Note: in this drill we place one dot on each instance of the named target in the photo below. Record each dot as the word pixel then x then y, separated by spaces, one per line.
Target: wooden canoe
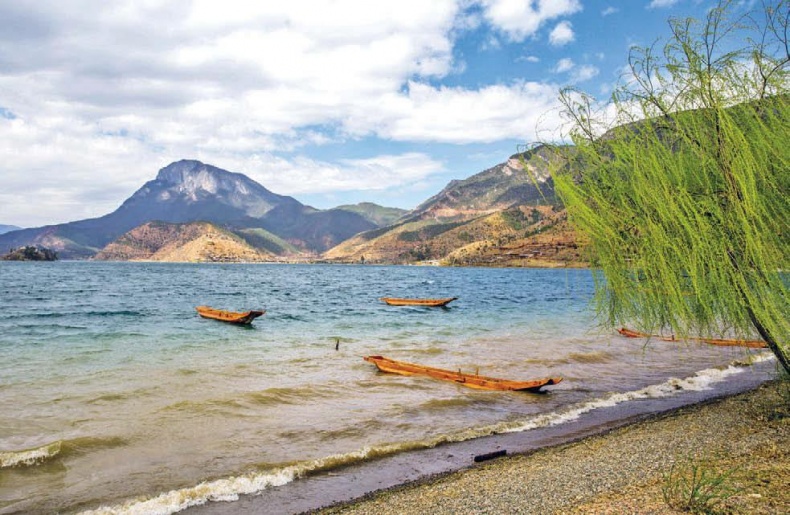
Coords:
pixel 754 344
pixel 392 301
pixel 470 380
pixel 232 317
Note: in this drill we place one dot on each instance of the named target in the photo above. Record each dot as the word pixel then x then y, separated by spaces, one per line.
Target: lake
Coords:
pixel 114 393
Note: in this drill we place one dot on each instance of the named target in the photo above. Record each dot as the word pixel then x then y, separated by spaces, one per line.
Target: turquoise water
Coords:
pixel 113 392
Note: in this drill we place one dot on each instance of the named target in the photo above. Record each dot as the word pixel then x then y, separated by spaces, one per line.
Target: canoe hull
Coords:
pixel 753 344
pixel 393 301
pixel 470 380
pixel 231 317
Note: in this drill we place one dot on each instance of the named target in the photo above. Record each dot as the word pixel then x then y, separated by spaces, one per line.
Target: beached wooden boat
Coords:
pixel 243 318
pixel 754 344
pixel 393 301
pixel 470 380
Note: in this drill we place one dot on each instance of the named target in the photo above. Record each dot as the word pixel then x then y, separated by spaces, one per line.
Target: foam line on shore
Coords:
pixel 702 380
pixel 229 489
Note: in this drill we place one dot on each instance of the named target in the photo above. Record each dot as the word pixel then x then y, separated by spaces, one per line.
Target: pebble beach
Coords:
pixel 622 471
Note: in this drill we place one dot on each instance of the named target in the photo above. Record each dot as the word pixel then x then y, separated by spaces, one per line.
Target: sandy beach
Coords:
pixel 624 470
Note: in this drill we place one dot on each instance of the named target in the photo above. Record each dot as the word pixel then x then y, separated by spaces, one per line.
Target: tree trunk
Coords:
pixel 769 339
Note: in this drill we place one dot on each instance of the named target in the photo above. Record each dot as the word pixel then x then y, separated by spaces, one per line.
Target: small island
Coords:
pixel 30 253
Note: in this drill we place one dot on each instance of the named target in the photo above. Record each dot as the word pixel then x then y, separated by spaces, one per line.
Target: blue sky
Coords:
pixel 331 102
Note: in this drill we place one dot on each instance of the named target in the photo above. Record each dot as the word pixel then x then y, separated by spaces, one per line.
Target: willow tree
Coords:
pixel 686 201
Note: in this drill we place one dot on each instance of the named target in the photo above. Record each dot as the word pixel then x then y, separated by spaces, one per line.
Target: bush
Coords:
pixel 693 486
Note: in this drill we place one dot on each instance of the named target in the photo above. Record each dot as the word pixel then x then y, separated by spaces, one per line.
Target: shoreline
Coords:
pixel 619 470
pixel 359 488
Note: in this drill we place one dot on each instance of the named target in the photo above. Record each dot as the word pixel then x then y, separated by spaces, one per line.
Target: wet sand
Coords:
pixel 621 470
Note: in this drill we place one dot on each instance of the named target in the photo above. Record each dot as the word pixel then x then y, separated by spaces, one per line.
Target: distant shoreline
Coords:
pixel 544 266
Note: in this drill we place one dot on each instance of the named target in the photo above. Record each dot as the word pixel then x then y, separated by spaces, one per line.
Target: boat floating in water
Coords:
pixel 393 301
pixel 754 344
pixel 470 380
pixel 232 317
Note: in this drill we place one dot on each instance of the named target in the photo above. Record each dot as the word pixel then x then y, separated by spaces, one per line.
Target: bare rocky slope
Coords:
pixel 507 215
pixel 188 242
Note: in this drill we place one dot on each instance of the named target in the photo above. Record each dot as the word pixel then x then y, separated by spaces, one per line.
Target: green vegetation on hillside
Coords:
pixel 688 212
pixel 379 215
pixel 263 239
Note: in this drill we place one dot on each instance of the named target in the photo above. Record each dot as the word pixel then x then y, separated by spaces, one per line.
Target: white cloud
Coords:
pixel 609 11
pixel 103 99
pixel 576 73
pixel 584 73
pixel 304 176
pixel 520 19
pixel 564 65
pixel 562 34
pixel 660 4
pixel 457 115
pixel 491 43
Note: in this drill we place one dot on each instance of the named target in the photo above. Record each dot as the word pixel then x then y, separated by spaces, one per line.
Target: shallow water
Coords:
pixel 113 392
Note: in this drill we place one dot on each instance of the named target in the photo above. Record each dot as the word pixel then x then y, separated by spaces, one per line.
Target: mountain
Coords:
pixel 379 215
pixel 190 190
pixel 187 191
pixel 313 230
pixel 523 179
pixel 507 214
pixel 197 212
pixel 8 228
pixel 186 242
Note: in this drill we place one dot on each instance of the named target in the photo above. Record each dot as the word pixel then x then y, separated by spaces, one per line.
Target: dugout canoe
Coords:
pixel 394 301
pixel 753 344
pixel 470 380
pixel 232 317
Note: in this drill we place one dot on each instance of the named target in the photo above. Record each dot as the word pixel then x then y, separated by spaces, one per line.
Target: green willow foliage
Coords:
pixel 686 202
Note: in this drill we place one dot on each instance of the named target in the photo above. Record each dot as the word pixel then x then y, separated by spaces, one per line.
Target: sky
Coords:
pixel 329 101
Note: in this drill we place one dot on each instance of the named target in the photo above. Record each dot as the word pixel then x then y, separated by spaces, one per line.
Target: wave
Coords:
pixel 702 380
pixel 229 489
pixel 59 448
pixel 431 351
pixel 226 489
pixel 109 397
pixel 85 444
pixel 28 457
pixel 99 313
pixel 590 358
pixel 275 395
pixel 268 397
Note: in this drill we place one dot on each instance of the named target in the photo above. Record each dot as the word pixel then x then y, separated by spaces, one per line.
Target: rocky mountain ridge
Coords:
pixel 188 191
pixel 193 211
pixel 522 179
pixel 507 215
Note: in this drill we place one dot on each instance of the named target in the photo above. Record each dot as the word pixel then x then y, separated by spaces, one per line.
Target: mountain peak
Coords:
pixel 193 180
pixel 174 172
pixel 194 175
